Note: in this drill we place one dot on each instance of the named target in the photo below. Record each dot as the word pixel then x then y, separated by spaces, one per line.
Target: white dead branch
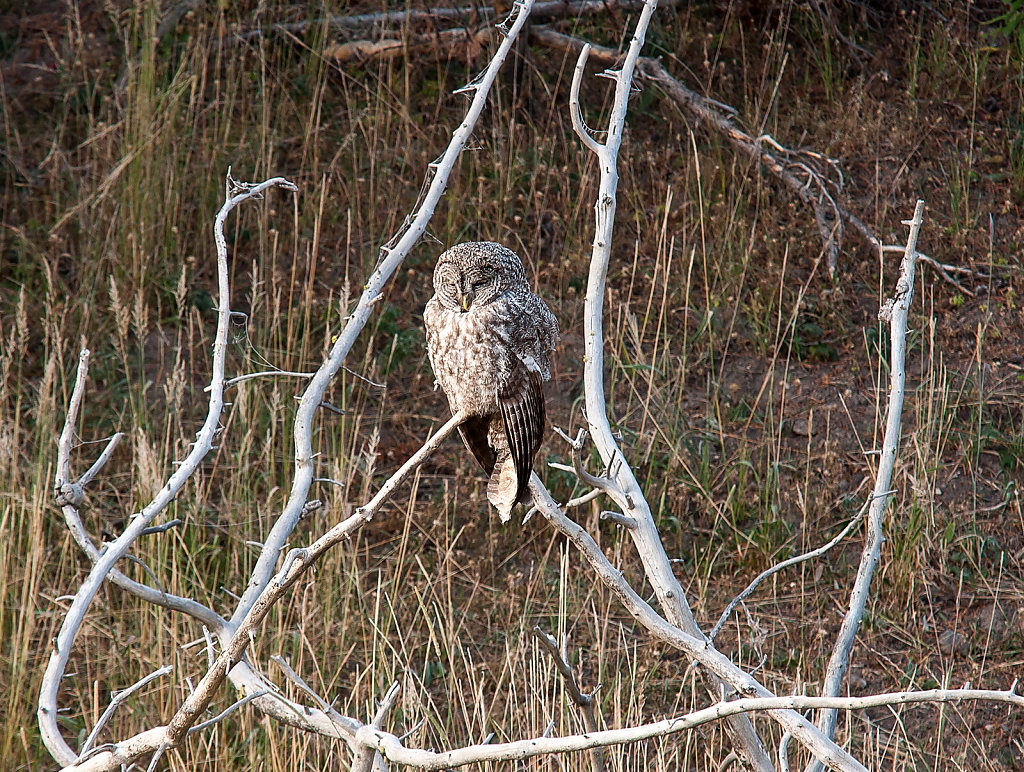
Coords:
pixel 735 692
pixel 894 311
pixel 621 485
pixel 266 584
pixel 114 551
pixel 392 748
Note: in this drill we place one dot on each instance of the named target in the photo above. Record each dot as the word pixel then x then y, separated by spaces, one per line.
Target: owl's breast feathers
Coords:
pixel 478 354
pixel 492 362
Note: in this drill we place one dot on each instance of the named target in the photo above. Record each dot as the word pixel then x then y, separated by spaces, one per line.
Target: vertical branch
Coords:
pixel 626 490
pixel 368 758
pixel 893 311
pixel 54 673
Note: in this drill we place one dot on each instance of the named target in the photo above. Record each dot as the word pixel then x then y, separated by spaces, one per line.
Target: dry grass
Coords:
pixel 746 385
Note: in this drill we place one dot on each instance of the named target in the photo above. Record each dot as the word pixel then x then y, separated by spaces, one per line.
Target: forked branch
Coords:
pixel 623 486
pixel 114 551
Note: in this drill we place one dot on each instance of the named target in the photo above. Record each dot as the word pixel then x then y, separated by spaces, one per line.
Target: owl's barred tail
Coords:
pixel 503 487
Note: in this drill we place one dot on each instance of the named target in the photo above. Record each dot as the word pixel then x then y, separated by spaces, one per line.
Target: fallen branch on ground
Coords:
pixel 548 10
pixel 805 173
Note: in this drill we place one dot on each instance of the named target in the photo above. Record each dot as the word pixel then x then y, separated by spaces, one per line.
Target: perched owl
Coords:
pixel 490 341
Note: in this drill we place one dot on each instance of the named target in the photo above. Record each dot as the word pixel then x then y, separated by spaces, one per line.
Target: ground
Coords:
pixel 748 384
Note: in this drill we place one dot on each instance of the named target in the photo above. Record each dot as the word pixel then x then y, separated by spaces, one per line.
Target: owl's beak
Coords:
pixel 465 299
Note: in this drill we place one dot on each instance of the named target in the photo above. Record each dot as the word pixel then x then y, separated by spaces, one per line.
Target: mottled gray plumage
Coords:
pixel 490 341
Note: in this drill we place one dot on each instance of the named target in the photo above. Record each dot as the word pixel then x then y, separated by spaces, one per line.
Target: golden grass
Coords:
pixel 714 305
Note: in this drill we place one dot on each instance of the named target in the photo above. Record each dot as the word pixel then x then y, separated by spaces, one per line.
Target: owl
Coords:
pixel 490 341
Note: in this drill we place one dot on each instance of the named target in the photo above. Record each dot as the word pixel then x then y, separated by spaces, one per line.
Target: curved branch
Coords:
pixel 781 566
pixel 52 676
pixel 578 124
pixel 629 496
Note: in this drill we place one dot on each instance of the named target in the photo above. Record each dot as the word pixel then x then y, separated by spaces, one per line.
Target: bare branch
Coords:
pixel 54 672
pixel 266 374
pixel 585 702
pixel 115 702
pixel 295 565
pixel 578 124
pixel 893 311
pixel 367 755
pixel 392 748
pixel 226 712
pixel 625 490
pixel 65 491
pixel 781 566
pixel 391 256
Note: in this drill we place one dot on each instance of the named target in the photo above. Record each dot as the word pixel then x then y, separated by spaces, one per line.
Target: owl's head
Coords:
pixel 475 273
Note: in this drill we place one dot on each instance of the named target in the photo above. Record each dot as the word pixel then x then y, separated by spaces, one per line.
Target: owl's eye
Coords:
pixel 480 279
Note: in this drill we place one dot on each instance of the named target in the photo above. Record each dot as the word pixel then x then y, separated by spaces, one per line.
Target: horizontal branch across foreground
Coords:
pixel 391 747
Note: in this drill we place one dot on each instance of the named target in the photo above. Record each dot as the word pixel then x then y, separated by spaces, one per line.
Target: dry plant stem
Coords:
pixel 47 712
pixel 696 646
pixel 893 311
pixel 585 702
pixel 625 490
pixel 295 565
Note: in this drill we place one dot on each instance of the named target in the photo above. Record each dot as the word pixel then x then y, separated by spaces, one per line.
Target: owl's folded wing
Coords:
pixel 521 400
pixel 474 434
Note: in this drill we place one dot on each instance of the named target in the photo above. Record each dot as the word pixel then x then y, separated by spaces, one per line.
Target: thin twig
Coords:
pixel 366 755
pixel 781 566
pixel 115 701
